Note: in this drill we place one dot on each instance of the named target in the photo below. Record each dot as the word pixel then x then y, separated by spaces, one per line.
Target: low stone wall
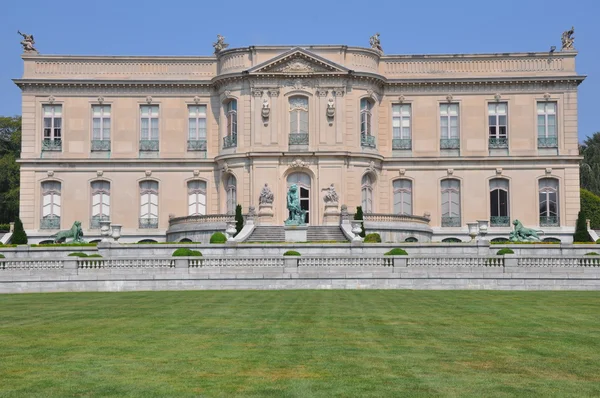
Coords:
pixel 509 272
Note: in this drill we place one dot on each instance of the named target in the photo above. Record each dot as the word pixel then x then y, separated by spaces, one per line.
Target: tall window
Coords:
pixel 100 127
pixel 548 201
pixel 402 197
pixel 401 114
pixel 50 205
pixel 231 192
pixel 197 128
pixel 148 204
pixel 196 198
pixel 546 124
pixel 499 203
pixel 298 120
pixel 100 202
pixel 367 193
pixel 230 140
pixel 498 124
pixel 367 138
pixel 52 128
pixel 450 132
pixel 450 203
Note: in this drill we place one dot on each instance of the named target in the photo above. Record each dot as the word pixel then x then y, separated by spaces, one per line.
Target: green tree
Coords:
pixel 239 219
pixel 589 168
pixel 590 206
pixel 359 216
pixel 581 233
pixel 19 236
pixel 10 147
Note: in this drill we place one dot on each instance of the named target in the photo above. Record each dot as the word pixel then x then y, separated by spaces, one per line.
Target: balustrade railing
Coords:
pixel 443 262
pixel 547 142
pixel 148 223
pixel 380 217
pixel 230 141
pixel 149 145
pixel 498 142
pixel 50 222
pixel 345 261
pixel 549 262
pixel 100 145
pixel 202 219
pixel 95 221
pixel 98 263
pixel 401 143
pixel 298 139
pixel 30 264
pixel 367 140
pixel 450 143
pixel 549 221
pixel 450 221
pixel 500 221
pixel 238 262
pixel 196 145
pixel 52 145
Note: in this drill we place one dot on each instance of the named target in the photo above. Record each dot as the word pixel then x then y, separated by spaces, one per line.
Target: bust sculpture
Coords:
pixel 266 196
pixel 27 42
pixel 331 195
pixel 568 40
pixel 296 214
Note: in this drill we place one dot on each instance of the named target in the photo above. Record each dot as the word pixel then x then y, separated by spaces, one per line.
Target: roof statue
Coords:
pixel 220 44
pixel 266 196
pixel 27 42
pixel 376 42
pixel 568 40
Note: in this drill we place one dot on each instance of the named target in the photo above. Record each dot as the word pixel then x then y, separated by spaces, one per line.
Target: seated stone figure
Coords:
pixel 297 215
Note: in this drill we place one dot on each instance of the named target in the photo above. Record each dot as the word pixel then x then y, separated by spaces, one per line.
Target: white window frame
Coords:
pixel 366 190
pixel 102 192
pixel 231 193
pixel 152 133
pixel 401 192
pixel 231 115
pixel 298 109
pixel 148 191
pixel 104 122
pixel 366 116
pixel 444 110
pixel 546 113
pixel 547 190
pixel 55 201
pixel 55 118
pixel 499 184
pixel 399 119
pixel 494 113
pixel 447 187
pixel 196 206
pixel 197 116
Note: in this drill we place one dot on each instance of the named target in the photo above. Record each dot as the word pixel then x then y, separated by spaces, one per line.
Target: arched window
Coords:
pixel 148 204
pixel 450 203
pixel 298 120
pixel 196 198
pixel 548 201
pixel 367 193
pixel 366 127
pixel 451 240
pixel 100 203
pixel 302 181
pixel 231 191
pixel 499 215
pixel 51 204
pixel 230 139
pixel 402 197
pixel 411 239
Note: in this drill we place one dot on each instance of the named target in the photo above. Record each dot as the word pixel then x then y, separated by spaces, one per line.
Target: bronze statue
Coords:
pixel 296 216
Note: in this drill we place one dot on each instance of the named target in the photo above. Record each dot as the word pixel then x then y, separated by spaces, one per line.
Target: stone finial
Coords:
pixel 27 43
pixel 568 40
pixel 220 44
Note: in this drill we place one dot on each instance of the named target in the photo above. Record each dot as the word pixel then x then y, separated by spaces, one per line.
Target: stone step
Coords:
pixel 267 234
pixel 313 234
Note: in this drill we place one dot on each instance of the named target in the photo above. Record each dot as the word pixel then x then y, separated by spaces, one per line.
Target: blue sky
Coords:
pixel 178 27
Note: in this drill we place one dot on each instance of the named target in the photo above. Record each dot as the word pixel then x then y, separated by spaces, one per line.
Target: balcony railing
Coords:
pixel 95 221
pixel 50 222
pixel 547 142
pixel 450 143
pixel 450 221
pixel 401 143
pixel 549 221
pixel 51 145
pixel 196 145
pixel 367 140
pixel 148 223
pixel 100 145
pixel 148 145
pixel 498 142
pixel 500 221
pixel 298 139
pixel 230 141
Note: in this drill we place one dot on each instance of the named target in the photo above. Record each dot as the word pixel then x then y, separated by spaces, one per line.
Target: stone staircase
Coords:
pixel 330 233
pixel 313 234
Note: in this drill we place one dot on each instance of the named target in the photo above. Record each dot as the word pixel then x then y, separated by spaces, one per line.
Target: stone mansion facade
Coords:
pixel 453 138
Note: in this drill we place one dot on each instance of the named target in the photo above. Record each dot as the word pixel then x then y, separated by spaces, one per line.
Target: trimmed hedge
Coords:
pixel 291 253
pixel 581 233
pixel 592 254
pixel 95 255
pixel 373 238
pixel 504 251
pixel 77 254
pixel 598 242
pixel 64 245
pixel 218 237
pixel 185 252
pixel 4 227
pixel 396 252
pixel 2 256
pixel 19 237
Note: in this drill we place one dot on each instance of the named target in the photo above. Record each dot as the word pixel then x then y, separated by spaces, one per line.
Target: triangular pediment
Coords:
pixel 297 61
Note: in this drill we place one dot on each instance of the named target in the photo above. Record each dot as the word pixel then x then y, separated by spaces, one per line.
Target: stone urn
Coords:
pixel 105 231
pixel 116 232
pixel 483 228
pixel 473 229
pixel 230 231
pixel 356 229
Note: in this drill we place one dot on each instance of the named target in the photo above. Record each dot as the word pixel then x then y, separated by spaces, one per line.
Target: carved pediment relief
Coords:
pixel 298 62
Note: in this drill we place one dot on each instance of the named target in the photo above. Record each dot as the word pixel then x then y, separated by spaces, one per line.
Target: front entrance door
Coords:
pixel 302 180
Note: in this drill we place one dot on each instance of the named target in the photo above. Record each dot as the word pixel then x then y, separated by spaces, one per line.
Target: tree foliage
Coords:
pixel 581 233
pixel 10 148
pixel 19 236
pixel 239 219
pixel 589 169
pixel 590 206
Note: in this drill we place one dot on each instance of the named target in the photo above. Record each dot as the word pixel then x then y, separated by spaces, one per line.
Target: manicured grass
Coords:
pixel 301 344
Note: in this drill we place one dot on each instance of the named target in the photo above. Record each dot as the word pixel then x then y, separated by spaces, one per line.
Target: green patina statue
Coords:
pixel 75 232
pixel 297 215
pixel 522 234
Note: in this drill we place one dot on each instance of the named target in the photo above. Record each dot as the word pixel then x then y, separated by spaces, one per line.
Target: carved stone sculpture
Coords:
pixel 296 214
pixel 522 234
pixel 568 41
pixel 266 196
pixel 376 42
pixel 27 42
pixel 331 195
pixel 330 108
pixel 75 232
pixel 220 44
pixel 266 110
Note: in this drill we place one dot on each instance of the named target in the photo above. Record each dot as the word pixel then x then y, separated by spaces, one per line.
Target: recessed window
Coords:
pixel 298 120
pixel 499 203
pixel 100 203
pixel 197 128
pixel 401 125
pixel 51 205
pixel 450 203
pixel 231 192
pixel 101 127
pixel 367 138
pixel 196 198
pixel 548 202
pixel 230 139
pixel 449 126
pixel 52 140
pixel 402 196
pixel 149 128
pixel 498 124
pixel 367 193
pixel 546 124
pixel 148 204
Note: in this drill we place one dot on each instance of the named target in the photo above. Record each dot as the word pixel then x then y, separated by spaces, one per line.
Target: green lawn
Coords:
pixel 301 344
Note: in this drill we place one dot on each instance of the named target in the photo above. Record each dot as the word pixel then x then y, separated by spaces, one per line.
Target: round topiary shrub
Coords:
pixel 77 254
pixel 396 252
pixel 598 242
pixel 592 254
pixel 95 255
pixel 373 238
pixel 504 251
pixel 218 237
pixel 185 252
pixel 291 253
